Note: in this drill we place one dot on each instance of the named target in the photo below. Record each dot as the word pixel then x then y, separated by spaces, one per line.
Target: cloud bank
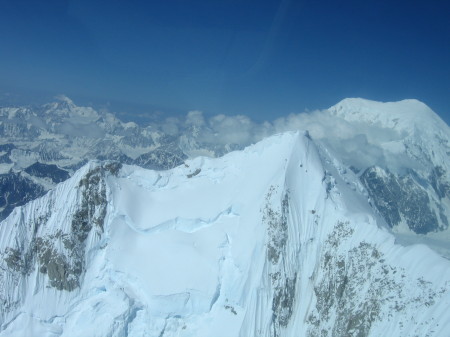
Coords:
pixel 358 145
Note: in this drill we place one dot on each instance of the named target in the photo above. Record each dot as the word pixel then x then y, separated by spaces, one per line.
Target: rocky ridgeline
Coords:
pixel 57 253
pixel 341 279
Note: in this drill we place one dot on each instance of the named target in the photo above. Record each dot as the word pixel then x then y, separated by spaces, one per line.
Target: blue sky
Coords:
pixel 264 59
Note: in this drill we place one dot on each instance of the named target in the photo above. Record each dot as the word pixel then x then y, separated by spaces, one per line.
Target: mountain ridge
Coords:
pixel 412 158
pixel 261 243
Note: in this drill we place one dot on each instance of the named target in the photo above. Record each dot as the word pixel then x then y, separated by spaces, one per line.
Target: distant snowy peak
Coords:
pixel 407 115
pixel 66 135
pixel 415 129
pixel 62 103
pixel 63 109
pixel 406 169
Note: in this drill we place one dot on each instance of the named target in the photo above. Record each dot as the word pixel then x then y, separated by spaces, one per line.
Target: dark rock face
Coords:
pixel 437 179
pixel 283 283
pixel 283 302
pixel 16 190
pixel 344 307
pixel 385 192
pixel 161 159
pixel 276 222
pixel 51 171
pixel 6 148
pixel 61 255
pixel 405 198
pixel 65 270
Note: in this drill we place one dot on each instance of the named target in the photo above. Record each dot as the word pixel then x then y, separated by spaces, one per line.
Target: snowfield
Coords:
pixel 275 240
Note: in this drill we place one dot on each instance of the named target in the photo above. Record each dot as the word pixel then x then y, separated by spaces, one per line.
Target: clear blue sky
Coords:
pixel 260 58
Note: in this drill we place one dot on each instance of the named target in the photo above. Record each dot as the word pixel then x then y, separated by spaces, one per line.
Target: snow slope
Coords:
pixel 268 241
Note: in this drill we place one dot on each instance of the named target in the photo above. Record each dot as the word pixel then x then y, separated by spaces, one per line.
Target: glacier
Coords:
pixel 278 239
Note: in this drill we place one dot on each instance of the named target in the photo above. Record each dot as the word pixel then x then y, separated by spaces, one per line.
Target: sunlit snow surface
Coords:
pixel 270 241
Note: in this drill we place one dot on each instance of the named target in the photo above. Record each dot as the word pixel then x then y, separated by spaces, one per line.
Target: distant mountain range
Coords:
pixel 398 151
pixel 43 146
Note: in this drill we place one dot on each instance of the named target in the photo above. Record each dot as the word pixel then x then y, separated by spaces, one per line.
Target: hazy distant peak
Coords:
pixel 358 102
pixel 65 99
pixel 60 104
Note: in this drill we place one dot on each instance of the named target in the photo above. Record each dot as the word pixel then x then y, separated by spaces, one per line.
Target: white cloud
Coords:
pixel 358 145
pixel 171 126
pixel 195 118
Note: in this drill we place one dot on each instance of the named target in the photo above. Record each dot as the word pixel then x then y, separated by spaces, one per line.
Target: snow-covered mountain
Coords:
pixel 275 240
pixel 40 146
pixel 399 152
pixel 402 156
